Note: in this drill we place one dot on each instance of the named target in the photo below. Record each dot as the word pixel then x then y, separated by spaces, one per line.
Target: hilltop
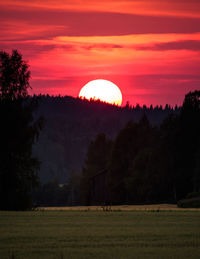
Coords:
pixel 71 123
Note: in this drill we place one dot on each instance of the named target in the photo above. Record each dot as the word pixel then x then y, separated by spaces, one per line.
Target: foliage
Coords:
pixel 150 164
pixel 145 162
pixel 14 76
pixel 133 138
pixel 189 140
pixel 19 132
pixel 193 195
pixel 73 184
pixel 73 122
pixel 189 203
pixel 51 194
pixel 96 161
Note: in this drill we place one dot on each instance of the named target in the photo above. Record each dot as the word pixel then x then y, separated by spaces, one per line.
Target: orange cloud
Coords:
pixel 148 7
pixel 138 44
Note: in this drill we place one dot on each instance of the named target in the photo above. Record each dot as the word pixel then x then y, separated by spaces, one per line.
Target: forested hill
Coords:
pixel 71 123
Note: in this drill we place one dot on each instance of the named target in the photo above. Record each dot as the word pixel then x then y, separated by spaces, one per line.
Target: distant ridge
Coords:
pixel 71 123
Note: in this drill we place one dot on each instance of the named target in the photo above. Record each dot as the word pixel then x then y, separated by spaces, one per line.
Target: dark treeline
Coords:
pixel 144 162
pixel 137 155
pixel 19 131
pixel 71 124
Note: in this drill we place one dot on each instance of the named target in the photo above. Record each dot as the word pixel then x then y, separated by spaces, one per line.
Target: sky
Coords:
pixel 149 48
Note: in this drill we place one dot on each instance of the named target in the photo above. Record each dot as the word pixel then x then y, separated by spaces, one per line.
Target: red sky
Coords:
pixel 149 48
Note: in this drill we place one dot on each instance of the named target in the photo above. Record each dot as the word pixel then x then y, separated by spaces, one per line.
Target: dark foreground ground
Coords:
pixel 100 234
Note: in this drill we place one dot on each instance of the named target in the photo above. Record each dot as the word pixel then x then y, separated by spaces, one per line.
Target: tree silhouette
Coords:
pixel 130 140
pixel 96 161
pixel 188 139
pixel 14 76
pixel 18 133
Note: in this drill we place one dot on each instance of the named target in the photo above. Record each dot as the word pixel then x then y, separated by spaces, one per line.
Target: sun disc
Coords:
pixel 102 90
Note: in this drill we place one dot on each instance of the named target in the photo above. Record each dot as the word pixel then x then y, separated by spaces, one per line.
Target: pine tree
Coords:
pixel 18 132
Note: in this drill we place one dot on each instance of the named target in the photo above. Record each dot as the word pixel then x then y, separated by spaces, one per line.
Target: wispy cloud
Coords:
pixel 176 8
pixel 148 47
pixel 191 45
pixel 51 23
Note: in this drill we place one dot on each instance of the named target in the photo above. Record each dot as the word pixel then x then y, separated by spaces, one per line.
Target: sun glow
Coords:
pixel 103 90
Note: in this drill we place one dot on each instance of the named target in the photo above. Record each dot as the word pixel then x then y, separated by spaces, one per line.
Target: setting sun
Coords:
pixel 103 90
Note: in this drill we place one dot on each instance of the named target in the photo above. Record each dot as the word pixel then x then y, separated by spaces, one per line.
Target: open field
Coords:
pixel 151 207
pixel 100 234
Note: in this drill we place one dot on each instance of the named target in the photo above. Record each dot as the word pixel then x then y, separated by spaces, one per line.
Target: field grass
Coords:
pixel 100 234
pixel 151 207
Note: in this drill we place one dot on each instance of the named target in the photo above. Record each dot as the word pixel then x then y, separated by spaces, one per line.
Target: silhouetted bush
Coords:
pixel 189 203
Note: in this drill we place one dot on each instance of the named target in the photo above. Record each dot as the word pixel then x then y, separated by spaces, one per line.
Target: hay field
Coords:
pixel 100 234
pixel 151 207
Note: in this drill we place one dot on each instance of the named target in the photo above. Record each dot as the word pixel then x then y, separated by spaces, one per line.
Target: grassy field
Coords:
pixel 150 207
pixel 99 234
